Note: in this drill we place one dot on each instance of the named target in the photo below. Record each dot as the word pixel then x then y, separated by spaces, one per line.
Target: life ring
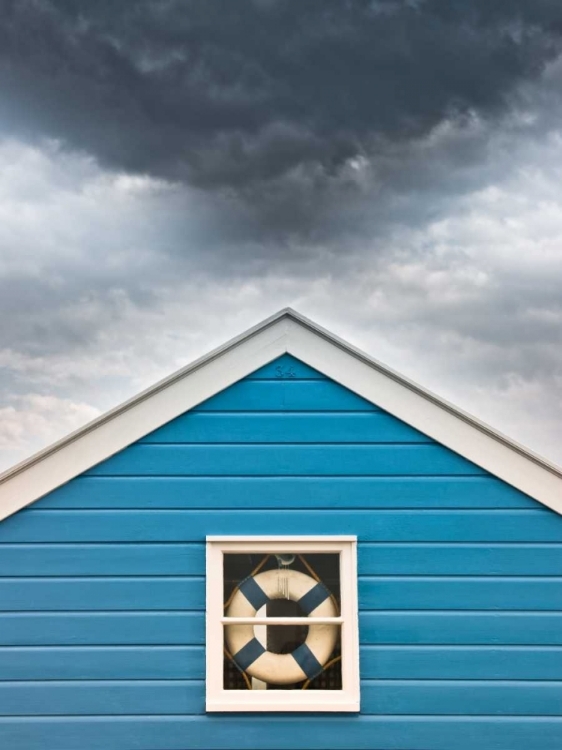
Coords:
pixel 306 661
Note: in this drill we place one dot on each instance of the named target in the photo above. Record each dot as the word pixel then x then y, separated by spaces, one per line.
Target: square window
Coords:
pixel 282 632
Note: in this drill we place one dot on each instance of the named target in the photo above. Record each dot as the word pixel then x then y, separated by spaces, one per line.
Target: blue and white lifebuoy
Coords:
pixel 306 661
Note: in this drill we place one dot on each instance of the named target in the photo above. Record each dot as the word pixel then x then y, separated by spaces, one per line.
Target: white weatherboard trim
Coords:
pixel 429 414
pixel 286 332
pixel 219 699
pixel 136 418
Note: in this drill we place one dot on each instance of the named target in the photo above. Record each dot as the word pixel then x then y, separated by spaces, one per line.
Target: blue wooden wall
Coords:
pixel 460 583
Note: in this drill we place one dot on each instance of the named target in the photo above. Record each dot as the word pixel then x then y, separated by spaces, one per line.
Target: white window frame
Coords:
pixel 219 699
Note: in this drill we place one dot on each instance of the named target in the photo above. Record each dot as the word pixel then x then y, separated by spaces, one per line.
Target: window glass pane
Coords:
pixel 324 567
pixel 288 658
pixel 282 657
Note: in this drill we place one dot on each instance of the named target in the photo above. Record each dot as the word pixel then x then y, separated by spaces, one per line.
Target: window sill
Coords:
pixel 282 701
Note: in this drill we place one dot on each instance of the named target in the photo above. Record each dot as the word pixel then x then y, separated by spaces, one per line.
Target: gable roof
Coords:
pixel 286 332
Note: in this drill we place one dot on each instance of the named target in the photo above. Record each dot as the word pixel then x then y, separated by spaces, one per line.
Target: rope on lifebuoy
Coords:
pixel 305 662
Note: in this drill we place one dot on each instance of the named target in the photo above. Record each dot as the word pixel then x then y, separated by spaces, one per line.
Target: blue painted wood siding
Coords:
pixel 460 583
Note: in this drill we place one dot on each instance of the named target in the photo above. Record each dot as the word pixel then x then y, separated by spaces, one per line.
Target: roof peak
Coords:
pixel 286 331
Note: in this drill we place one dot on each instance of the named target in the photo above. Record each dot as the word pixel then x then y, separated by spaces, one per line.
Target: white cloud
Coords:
pixel 35 420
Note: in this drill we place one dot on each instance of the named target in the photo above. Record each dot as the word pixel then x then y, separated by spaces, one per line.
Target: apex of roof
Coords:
pixel 285 332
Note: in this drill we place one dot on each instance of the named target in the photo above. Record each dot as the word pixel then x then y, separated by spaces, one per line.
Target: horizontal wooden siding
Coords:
pixel 460 582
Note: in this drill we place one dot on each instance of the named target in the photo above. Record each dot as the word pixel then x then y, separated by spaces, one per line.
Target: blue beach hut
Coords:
pixel 284 545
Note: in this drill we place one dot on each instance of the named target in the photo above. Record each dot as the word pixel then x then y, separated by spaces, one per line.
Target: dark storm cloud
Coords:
pixel 245 94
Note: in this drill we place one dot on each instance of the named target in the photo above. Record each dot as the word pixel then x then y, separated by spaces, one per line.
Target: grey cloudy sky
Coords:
pixel 171 172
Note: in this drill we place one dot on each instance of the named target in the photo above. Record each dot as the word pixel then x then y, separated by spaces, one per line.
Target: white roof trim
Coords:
pixel 285 332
